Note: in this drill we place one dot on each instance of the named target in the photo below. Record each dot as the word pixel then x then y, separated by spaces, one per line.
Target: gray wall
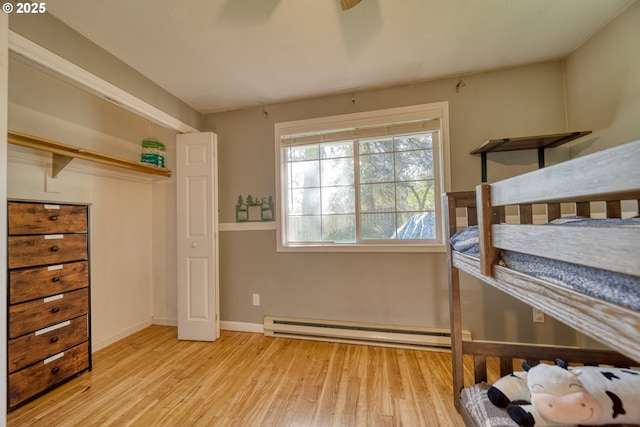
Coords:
pixel 603 85
pixel 396 288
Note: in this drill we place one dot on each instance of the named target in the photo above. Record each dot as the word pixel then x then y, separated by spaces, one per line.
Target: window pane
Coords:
pixel 377 226
pixel 333 150
pixel 414 142
pixel 379 190
pixel 305 174
pixel 305 228
pixel 416 226
pixel 415 196
pixel 304 152
pixel 373 146
pixel 339 228
pixel 377 197
pixel 376 168
pixel 337 172
pixel 338 200
pixel 305 201
pixel 412 165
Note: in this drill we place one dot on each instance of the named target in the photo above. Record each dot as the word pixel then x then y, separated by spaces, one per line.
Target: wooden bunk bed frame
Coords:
pixel 609 176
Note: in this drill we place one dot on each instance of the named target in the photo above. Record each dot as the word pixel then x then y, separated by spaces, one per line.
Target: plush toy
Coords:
pixel 563 395
pixel 509 389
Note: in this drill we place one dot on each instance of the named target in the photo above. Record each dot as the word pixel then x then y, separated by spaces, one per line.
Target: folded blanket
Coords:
pixel 467 241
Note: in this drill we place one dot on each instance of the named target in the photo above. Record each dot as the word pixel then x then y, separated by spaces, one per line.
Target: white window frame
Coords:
pixel 355 121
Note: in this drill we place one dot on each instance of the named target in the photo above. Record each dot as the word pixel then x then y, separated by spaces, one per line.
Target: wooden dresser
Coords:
pixel 49 334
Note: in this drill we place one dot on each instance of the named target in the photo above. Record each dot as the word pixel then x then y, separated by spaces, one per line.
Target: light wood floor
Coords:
pixel 246 379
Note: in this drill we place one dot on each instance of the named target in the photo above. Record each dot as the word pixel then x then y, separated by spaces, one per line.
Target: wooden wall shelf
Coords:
pixel 64 153
pixel 539 142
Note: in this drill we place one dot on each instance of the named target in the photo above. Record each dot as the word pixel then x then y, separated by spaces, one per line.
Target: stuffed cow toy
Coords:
pixel 563 395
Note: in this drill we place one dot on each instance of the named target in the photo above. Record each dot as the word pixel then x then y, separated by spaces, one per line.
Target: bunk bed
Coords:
pixel 548 215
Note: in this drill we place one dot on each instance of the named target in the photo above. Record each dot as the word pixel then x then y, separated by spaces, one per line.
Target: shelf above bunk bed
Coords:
pixel 538 142
pixel 64 153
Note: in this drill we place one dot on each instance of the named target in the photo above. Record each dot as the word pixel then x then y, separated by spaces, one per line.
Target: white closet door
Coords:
pixel 197 236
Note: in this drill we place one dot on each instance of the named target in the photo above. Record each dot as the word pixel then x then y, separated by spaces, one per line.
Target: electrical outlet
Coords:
pixel 256 299
pixel 538 316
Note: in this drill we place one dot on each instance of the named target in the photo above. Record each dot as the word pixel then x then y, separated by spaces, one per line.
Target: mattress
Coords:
pixel 618 288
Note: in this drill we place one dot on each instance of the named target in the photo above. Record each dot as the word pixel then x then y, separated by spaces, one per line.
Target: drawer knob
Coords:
pixel 53 217
pixel 55 370
pixel 54 249
pixel 55 309
pixel 55 279
pixel 53 340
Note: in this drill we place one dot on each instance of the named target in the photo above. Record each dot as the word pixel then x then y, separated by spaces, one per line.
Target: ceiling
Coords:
pixel 219 55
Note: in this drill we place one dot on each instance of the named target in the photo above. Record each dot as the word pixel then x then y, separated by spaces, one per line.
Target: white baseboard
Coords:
pixel 164 321
pixel 224 325
pixel 98 345
pixel 242 327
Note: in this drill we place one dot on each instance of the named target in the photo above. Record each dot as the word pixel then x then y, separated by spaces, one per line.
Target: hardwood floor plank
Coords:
pixel 246 379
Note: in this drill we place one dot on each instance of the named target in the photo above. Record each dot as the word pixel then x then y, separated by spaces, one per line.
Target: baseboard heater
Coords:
pixel 409 337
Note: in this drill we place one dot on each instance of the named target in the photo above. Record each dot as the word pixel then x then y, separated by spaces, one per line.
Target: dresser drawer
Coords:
pixel 39 282
pixel 27 251
pixel 37 346
pixel 41 376
pixel 43 218
pixel 34 315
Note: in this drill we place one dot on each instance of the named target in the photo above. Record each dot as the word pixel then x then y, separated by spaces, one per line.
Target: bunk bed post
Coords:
pixel 487 216
pixel 455 314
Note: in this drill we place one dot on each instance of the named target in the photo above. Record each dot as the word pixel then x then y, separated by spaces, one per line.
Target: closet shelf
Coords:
pixel 64 153
pixel 539 142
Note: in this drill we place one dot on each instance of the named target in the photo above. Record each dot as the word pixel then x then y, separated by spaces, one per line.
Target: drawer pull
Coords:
pixel 53 217
pixel 54 340
pixel 54 249
pixel 55 279
pixel 55 309
pixel 55 370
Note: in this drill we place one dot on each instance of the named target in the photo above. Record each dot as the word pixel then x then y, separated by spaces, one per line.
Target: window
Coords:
pixel 363 182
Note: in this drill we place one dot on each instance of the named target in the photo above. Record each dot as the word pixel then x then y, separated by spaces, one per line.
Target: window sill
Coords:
pixel 366 248
pixel 247 226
